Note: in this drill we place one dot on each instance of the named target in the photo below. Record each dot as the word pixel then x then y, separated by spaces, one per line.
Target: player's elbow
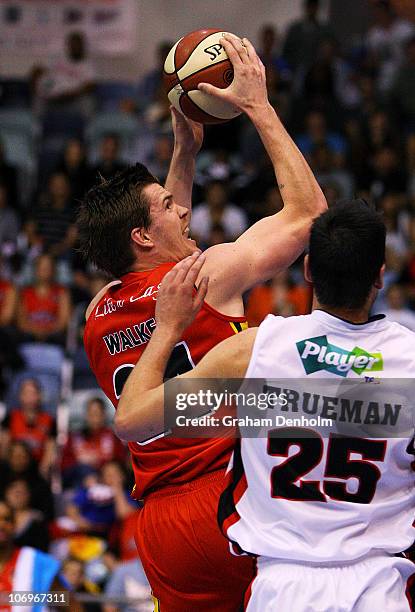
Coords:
pixel 124 426
pixel 120 427
pixel 131 425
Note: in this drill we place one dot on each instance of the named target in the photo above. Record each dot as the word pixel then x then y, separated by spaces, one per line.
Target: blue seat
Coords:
pixel 43 358
pixel 83 377
pixel 19 132
pixel 110 94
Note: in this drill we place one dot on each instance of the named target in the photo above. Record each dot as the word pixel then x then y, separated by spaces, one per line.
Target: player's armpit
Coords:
pixel 269 246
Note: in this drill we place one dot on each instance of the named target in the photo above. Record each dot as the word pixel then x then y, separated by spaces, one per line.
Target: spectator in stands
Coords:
pixel 19 464
pixel 9 222
pixel 128 581
pixel 51 225
pixel 407 277
pixel 217 165
pixel 150 85
pixel 69 83
pixel 9 354
pixel 75 167
pixel 403 91
pixel 8 178
pixel 280 297
pixel 100 501
pixel 217 210
pixel 73 577
pixel 109 162
pixel 269 52
pixel 44 308
pixel 396 221
pixel 322 162
pixel 37 571
pixel 159 162
pixel 381 132
pixel 316 134
pixel 30 424
pixel 92 447
pixel 386 40
pixel 385 173
pixel 325 79
pixel 397 308
pixel 304 36
pixel 30 527
pixel 8 297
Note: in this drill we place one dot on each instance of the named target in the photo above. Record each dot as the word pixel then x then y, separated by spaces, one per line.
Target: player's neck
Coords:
pixel 352 315
pixel 150 263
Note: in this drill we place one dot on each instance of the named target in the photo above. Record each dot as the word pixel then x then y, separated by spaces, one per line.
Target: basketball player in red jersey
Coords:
pixel 137 230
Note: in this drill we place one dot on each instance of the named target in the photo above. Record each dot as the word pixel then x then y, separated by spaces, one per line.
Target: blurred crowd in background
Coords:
pixel 351 111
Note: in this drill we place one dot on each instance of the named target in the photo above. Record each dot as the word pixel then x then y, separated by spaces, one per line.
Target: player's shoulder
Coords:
pixel 400 332
pixel 99 296
pixel 290 322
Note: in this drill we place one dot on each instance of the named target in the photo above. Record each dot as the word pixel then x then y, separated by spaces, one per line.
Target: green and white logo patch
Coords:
pixel 318 354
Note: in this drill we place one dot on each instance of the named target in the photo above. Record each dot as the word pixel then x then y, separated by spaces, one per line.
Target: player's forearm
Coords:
pixel 298 186
pixel 181 175
pixel 140 409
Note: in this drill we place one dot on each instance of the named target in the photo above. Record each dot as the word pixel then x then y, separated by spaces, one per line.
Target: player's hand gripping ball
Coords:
pixel 199 58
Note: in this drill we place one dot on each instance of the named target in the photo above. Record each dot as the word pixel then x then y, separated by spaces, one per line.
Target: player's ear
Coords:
pixel 307 272
pixel 379 282
pixel 141 237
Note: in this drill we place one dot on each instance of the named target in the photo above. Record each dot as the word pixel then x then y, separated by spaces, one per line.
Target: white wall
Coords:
pixel 163 19
pixel 169 19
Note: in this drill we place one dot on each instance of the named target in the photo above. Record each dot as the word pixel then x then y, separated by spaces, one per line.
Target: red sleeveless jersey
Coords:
pixel 116 335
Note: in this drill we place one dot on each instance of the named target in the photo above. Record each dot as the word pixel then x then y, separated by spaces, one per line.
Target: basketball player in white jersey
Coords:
pixel 326 517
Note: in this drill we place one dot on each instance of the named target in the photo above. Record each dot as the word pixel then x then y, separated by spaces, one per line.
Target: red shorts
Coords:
pixel 185 556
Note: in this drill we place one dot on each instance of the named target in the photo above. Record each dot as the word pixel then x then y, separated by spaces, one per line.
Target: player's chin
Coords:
pixel 190 246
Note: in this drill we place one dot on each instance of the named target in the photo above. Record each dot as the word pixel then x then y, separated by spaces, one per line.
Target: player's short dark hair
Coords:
pixel 108 213
pixel 347 251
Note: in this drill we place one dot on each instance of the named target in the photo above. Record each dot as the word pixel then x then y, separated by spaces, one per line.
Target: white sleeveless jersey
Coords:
pixel 332 496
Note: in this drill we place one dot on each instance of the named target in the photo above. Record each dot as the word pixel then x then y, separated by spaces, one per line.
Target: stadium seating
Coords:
pixel 45 363
pixel 123 125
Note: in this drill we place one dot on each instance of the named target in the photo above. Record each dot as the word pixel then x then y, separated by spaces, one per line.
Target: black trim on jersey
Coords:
pixel 226 505
pixel 238 326
pixel 371 319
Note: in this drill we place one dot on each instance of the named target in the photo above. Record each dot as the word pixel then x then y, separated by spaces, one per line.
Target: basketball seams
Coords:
pixel 190 76
pixel 188 53
pixel 203 116
pixel 197 53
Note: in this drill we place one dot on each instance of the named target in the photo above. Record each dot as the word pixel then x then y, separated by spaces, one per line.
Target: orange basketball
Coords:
pixel 199 58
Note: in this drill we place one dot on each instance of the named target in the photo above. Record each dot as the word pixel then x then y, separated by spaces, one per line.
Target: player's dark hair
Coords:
pixel 107 215
pixel 347 251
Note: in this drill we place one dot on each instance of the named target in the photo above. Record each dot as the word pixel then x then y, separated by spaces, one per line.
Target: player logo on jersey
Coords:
pixel 318 354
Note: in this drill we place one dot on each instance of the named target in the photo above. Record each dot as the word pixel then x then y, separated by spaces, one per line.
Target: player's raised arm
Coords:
pixel 276 241
pixel 140 412
pixel 188 138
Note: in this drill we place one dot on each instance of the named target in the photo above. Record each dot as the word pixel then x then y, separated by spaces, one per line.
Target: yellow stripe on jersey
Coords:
pixel 156 603
pixel 237 326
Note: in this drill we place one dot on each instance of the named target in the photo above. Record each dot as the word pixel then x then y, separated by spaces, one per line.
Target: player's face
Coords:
pixel 169 228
